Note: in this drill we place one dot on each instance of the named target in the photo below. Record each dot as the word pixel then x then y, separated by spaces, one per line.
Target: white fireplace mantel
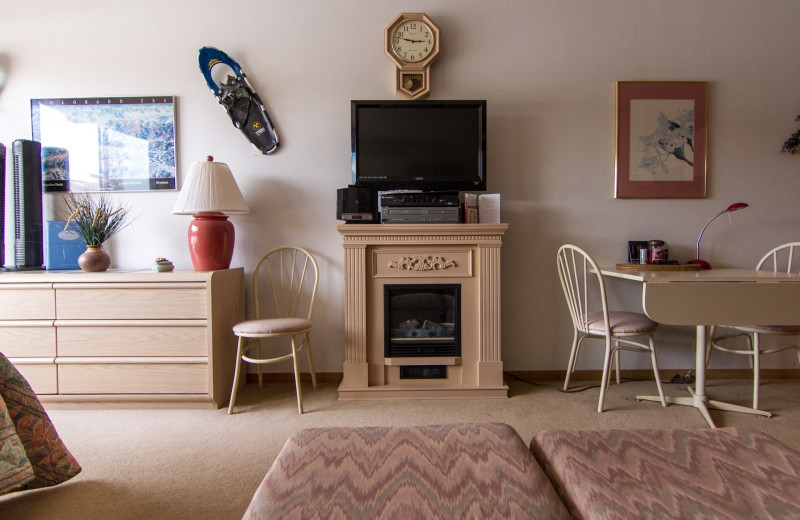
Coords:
pixel 381 254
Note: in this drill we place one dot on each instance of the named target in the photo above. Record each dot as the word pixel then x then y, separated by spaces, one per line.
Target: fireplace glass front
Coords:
pixel 422 320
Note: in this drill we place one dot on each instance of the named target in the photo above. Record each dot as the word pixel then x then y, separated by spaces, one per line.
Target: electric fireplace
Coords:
pixel 422 311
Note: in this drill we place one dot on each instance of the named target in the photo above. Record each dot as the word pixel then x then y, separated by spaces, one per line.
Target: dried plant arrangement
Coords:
pixel 792 145
pixel 96 219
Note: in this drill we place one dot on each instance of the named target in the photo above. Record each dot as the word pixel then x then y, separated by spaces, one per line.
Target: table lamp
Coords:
pixel 210 194
pixel 733 207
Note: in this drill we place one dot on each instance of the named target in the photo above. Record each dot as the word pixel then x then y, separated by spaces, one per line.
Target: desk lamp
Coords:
pixel 733 207
pixel 210 194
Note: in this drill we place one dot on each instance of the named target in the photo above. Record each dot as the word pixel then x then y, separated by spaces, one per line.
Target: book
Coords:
pixel 470 208
pixel 62 247
pixel 489 208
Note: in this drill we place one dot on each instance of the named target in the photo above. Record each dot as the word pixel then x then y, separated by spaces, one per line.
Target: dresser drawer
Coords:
pixel 28 301
pixel 132 378
pixel 27 339
pixel 41 376
pixel 147 338
pixel 131 301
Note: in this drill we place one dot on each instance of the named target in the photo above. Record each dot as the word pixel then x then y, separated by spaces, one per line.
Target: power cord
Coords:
pixel 508 375
pixel 686 379
pixel 678 379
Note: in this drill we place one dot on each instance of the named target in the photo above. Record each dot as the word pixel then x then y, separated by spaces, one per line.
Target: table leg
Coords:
pixel 699 399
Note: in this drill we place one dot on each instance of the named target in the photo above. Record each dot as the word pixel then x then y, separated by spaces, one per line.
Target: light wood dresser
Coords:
pixel 120 337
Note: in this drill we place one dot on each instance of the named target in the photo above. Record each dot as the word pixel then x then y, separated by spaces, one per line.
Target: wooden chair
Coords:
pixel 783 258
pixel 584 290
pixel 284 291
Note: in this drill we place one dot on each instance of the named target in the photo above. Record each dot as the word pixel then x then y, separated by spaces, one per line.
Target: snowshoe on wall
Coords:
pixel 239 100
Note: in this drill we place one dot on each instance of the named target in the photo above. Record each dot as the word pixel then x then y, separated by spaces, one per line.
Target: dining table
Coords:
pixel 706 297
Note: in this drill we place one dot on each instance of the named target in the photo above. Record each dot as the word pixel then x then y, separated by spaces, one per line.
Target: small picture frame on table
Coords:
pixel 661 139
pixel 633 250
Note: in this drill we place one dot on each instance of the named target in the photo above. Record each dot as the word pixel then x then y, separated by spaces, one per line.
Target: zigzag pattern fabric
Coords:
pixel 481 470
pixel 659 474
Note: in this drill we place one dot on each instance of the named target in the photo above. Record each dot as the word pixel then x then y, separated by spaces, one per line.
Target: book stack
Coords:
pixel 481 208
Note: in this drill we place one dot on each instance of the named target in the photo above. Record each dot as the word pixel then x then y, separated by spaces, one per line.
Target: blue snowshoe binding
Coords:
pixel 240 101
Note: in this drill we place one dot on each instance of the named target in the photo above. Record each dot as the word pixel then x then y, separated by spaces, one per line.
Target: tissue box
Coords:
pixel 62 247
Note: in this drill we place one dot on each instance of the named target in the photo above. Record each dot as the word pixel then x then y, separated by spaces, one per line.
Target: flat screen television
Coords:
pixel 419 145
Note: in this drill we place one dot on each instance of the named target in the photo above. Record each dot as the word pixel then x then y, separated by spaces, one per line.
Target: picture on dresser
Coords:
pixel 106 144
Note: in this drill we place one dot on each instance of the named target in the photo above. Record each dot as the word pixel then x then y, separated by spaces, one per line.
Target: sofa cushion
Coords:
pixel 45 460
pixel 481 470
pixel 655 474
pixel 15 468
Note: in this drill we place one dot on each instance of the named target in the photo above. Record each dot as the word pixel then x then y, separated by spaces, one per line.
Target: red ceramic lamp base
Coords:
pixel 703 264
pixel 211 238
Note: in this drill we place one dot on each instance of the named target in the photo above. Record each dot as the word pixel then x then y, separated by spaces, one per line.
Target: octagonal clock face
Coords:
pixel 412 41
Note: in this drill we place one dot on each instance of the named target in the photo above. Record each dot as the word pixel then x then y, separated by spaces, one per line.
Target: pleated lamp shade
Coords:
pixel 210 193
pixel 210 186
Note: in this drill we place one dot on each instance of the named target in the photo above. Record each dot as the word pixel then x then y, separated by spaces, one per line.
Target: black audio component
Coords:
pixel 427 198
pixel 421 215
pixel 2 205
pixel 356 204
pixel 28 226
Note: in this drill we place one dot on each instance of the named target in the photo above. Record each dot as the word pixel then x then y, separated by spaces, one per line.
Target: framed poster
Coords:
pixel 106 144
pixel 661 139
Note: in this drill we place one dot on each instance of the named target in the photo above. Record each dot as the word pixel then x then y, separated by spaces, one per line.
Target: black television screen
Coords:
pixel 419 145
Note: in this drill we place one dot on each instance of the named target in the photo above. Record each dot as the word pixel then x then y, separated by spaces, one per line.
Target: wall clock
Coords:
pixel 412 43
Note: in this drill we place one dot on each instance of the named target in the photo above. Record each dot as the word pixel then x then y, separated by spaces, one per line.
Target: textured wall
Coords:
pixel 548 70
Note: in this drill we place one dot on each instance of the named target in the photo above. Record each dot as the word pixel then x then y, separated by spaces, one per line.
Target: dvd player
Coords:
pixel 419 198
pixel 420 215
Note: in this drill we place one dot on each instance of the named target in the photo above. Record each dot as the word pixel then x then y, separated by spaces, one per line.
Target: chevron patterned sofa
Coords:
pixel 485 470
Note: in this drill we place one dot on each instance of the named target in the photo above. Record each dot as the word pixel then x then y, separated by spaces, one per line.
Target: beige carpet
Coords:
pixel 204 464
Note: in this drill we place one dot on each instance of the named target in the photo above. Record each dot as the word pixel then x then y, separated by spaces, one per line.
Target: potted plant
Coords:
pixel 792 145
pixel 96 220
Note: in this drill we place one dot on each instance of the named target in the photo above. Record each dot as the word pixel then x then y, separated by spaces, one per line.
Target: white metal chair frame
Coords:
pixel 576 270
pixel 778 259
pixel 293 276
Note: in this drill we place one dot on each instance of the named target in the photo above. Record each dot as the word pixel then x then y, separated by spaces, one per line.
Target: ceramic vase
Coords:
pixel 94 259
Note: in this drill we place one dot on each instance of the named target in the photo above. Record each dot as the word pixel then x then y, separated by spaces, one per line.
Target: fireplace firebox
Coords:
pixel 422 320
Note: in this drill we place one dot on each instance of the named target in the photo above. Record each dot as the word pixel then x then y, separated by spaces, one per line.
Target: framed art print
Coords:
pixel 661 139
pixel 106 144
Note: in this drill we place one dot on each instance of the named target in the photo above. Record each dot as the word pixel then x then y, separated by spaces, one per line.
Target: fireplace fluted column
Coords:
pixel 355 367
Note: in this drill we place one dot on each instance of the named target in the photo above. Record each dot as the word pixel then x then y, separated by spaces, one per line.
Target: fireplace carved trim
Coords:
pixel 422 263
pixel 379 254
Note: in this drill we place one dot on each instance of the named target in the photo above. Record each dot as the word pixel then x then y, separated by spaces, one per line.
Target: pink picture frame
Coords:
pixel 662 137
